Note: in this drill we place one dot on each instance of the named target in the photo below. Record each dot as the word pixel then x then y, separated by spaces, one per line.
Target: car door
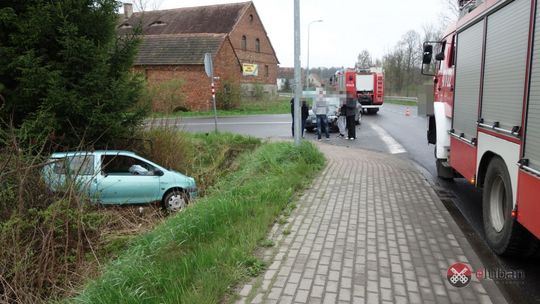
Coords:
pixel 118 185
pixel 72 171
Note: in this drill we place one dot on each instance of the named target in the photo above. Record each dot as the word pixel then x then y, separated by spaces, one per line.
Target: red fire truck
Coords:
pixel 486 115
pixel 366 86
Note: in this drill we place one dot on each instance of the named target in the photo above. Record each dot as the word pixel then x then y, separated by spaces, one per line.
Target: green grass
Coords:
pixel 402 102
pixel 280 106
pixel 197 255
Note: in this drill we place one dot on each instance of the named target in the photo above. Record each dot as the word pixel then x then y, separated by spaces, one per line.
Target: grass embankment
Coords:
pixel 197 255
pixel 402 102
pixel 54 242
pixel 257 107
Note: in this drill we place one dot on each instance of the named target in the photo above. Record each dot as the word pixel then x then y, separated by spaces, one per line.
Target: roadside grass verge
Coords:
pixel 402 102
pixel 199 254
pixel 53 242
pixel 248 107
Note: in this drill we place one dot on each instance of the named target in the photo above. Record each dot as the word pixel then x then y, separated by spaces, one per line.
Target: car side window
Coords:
pixel 75 165
pixel 125 165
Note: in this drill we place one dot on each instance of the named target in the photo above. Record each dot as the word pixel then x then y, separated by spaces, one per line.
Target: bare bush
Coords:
pixel 53 241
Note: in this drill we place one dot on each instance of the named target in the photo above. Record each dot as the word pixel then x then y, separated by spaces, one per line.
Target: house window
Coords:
pixel 258 45
pixel 266 72
pixel 251 18
pixel 244 42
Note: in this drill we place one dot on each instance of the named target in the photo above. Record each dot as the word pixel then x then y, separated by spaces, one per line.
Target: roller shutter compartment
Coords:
pixel 505 64
pixel 532 136
pixel 467 88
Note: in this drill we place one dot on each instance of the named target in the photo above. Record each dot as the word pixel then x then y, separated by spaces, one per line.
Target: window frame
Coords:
pixel 244 42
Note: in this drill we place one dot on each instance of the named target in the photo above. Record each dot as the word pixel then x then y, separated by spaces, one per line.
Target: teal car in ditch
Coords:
pixel 119 177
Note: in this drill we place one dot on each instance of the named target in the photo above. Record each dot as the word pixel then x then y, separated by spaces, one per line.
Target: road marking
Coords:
pixel 393 146
pixel 228 123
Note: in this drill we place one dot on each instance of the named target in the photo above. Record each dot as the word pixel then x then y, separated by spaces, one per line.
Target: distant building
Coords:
pixel 175 41
pixel 314 81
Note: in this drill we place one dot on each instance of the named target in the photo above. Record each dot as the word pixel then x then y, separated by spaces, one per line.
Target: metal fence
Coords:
pixel 401 98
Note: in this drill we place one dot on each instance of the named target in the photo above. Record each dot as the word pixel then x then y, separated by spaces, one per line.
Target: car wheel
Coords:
pixel 310 129
pixel 175 200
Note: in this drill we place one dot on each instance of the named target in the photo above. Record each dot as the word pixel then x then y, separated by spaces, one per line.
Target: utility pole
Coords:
pixel 307 67
pixel 297 75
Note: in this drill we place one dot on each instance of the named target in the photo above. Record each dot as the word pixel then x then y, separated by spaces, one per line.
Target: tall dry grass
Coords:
pixel 52 242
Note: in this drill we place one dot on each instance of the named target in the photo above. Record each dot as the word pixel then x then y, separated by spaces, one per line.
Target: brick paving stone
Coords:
pixel 370 229
pixel 301 296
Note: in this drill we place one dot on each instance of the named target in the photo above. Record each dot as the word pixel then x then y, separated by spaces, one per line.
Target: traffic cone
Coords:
pixel 407 112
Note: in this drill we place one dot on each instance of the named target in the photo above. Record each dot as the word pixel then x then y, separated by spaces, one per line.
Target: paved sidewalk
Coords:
pixel 369 230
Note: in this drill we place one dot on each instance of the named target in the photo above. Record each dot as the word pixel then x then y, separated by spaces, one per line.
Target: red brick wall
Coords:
pixel 254 29
pixel 226 64
pixel 196 88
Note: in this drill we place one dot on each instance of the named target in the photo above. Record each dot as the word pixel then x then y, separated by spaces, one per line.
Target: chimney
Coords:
pixel 128 10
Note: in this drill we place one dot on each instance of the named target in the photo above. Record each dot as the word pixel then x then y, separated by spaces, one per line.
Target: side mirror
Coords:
pixel 428 54
pixel 158 172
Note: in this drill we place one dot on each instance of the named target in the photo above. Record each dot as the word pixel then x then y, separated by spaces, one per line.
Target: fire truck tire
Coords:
pixel 504 235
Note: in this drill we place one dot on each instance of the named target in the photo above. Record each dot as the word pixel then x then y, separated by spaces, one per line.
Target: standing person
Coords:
pixel 305 114
pixel 350 112
pixel 342 122
pixel 320 108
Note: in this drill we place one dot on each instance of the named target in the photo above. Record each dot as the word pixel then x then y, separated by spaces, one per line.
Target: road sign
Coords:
pixel 208 66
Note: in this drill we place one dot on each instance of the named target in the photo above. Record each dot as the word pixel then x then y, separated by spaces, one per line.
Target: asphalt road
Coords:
pixel 392 131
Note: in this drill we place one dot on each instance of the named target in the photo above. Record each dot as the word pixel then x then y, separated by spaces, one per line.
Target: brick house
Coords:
pixel 175 40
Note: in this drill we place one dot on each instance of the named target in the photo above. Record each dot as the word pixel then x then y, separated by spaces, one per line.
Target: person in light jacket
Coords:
pixel 342 122
pixel 320 109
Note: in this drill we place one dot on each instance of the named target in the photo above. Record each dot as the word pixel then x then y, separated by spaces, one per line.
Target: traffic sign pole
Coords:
pixel 214 103
pixel 209 69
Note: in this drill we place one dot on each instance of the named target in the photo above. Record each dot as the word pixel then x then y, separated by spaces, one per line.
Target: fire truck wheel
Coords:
pixel 504 234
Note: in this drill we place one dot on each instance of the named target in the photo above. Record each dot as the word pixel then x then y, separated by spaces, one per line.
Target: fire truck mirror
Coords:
pixel 439 56
pixel 428 54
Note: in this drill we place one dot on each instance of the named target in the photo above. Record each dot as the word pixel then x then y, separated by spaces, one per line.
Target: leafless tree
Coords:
pixel 432 32
pixel 364 60
pixel 147 5
pixel 451 12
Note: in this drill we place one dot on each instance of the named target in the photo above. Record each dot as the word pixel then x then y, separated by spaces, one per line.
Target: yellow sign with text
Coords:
pixel 250 69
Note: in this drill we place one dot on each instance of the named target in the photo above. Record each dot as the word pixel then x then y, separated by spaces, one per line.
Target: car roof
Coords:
pixel 97 152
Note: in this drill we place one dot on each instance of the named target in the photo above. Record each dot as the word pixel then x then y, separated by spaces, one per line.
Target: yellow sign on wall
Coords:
pixel 250 69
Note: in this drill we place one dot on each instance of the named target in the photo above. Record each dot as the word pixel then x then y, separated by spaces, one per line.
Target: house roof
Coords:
pixel 178 49
pixel 188 20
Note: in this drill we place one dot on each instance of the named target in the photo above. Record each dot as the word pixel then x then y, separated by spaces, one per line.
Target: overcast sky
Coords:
pixel 348 26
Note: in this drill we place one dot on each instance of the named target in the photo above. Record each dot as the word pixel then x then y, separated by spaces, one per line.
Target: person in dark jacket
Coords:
pixel 350 112
pixel 305 114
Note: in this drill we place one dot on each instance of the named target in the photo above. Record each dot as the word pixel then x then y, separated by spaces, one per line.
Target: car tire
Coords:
pixel 175 200
pixel 504 235
pixel 310 130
